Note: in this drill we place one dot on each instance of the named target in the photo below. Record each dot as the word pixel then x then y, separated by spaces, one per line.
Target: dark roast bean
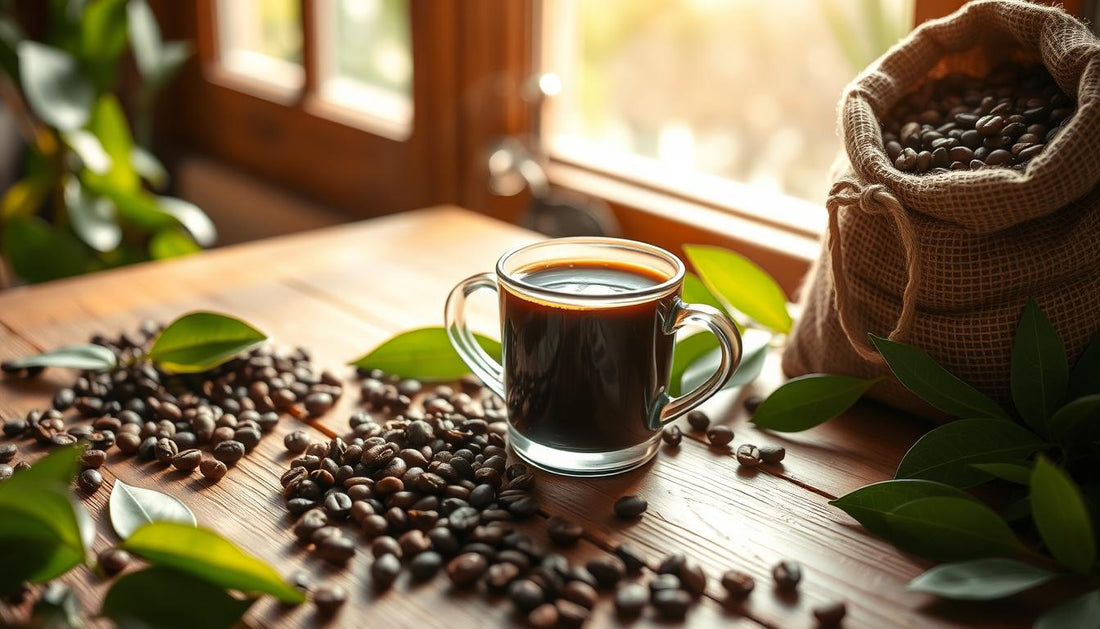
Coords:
pixel 772 454
pixel 692 578
pixel 752 403
pixel 830 614
pixel 128 442
pixel 384 571
pixel 334 548
pixel 630 599
pixel 787 574
pixel 213 469
pixel 698 421
pixel 338 506
pixel 425 565
pixel 500 576
pixel 563 532
pixel 187 461
pixel 672 604
pixel 737 583
pixel 571 614
pixel 164 449
pixel 6 471
pixel 544 616
pixel 329 598
pixel 632 558
pixel 672 436
pixel 607 570
pixel 9 450
pixel 229 452
pixel 466 569
pixel 89 481
pixel 113 561
pixel 720 436
pixel 672 564
pixel 526 594
pixel 581 593
pixel 748 455
pixel 630 507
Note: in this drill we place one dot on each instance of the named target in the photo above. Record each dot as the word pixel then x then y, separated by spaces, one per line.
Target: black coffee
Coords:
pixel 586 379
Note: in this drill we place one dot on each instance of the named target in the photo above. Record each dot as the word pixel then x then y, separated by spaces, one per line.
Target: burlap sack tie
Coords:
pixel 871 199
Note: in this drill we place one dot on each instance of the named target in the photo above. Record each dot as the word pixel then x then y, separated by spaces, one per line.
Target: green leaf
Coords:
pixel 695 292
pixel 172 243
pixel 1040 371
pixel 1062 517
pixel 168 599
pixel 922 375
pixel 1011 472
pixel 137 207
pixel 55 88
pixel 108 123
pixel 199 341
pixel 145 38
pixel 92 218
pixel 149 167
pixel 89 149
pixel 425 353
pixel 950 529
pixel 85 356
pixel 869 505
pixel 1079 613
pixel 752 363
pixel 194 220
pixel 1085 377
pixel 103 38
pixel 945 453
pixel 688 350
pixel 742 284
pixel 204 554
pixel 134 507
pixel 173 55
pixel 1076 422
pixel 981 579
pixel 806 401
pixel 38 253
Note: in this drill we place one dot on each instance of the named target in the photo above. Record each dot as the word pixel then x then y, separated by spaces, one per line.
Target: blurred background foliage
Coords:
pixel 88 197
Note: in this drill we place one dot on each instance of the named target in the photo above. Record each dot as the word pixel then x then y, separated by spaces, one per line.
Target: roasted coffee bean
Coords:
pixel 544 616
pixel 425 565
pixel 737 584
pixel 571 614
pixel 752 403
pixel 113 561
pixel 526 594
pixel 632 558
pixel 698 420
pixel 630 507
pixel 164 449
pixel 14 428
pixel 385 545
pixel 335 548
pixel 581 593
pixel 89 481
pixel 384 571
pixel 748 455
pixel 607 570
pixel 187 461
pixel 720 436
pixel 501 575
pixel 89 459
pixel 563 532
pixel 524 507
pixel 672 436
pixel 787 574
pixel 63 400
pixel 830 614
pixel 672 564
pixel 338 506
pixel 329 598
pixel 9 450
pixel 374 525
pixel 21 466
pixel 465 569
pixel 213 469
pixel 692 578
pixel 630 599
pixel 63 439
pixel 128 442
pixel 772 454
pixel 229 452
pixel 413 543
pixel 672 604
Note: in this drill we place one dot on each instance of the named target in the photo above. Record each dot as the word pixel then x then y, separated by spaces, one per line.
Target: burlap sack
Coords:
pixel 946 262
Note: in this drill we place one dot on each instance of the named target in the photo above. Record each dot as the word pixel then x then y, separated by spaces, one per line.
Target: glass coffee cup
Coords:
pixel 588 327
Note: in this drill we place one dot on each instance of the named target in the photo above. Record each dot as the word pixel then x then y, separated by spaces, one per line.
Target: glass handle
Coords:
pixel 469 350
pixel 729 341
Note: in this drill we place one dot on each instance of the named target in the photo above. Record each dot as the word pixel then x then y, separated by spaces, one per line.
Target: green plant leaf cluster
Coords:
pixel 199 341
pixel 1047 445
pixel 84 203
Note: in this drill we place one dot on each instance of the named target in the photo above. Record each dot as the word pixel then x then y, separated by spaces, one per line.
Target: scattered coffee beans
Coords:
pixel 772 454
pixel 698 420
pixel 113 561
pixel 89 481
pixel 830 614
pixel 960 122
pixel 213 469
pixel 630 507
pixel 6 471
pixel 737 583
pixel 8 452
pixel 544 616
pixel 328 598
pixel 672 436
pixel 425 565
pixel 672 604
pixel 297 441
pixel 92 459
pixel 630 599
pixel 720 436
pixel 607 570
pixel 384 571
pixel 563 532
pixel 752 402
pixel 632 558
pixel 748 455
pixel 466 569
pixel 787 574
pixel 188 460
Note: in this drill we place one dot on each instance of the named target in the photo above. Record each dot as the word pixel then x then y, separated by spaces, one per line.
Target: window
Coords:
pixel 714 99
pixel 262 40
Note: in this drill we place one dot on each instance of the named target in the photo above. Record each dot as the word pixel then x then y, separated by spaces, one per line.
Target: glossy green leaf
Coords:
pixel 172 243
pixel 145 38
pixel 1062 517
pixel 92 218
pixel 806 401
pixel 1079 613
pixel 194 220
pixel 1077 422
pixel 136 207
pixel 169 599
pixel 109 124
pixel 1040 371
pixel 134 507
pixel 204 554
pixel 89 149
pixel 1011 472
pixel 103 37
pixel 752 363
pixel 56 89
pixel 687 352
pixel 199 341
pixel 149 167
pixel 869 505
pixel 950 529
pixel 695 292
pixel 742 284
pixel 922 375
pixel 981 579
pixel 85 356
pixel 425 353
pixel 39 253
pixel 945 453
pixel 1084 379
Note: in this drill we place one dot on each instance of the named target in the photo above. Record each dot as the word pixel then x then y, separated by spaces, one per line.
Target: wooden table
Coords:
pixel 341 291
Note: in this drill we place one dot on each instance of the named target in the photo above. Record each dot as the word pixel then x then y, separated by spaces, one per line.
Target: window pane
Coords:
pixel 711 90
pixel 262 39
pixel 367 57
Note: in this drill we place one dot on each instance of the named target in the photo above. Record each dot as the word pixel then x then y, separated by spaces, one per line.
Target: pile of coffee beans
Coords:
pixel 143 411
pixel 961 122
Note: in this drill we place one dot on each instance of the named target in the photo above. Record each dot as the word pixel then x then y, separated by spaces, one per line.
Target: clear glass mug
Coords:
pixel 587 333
